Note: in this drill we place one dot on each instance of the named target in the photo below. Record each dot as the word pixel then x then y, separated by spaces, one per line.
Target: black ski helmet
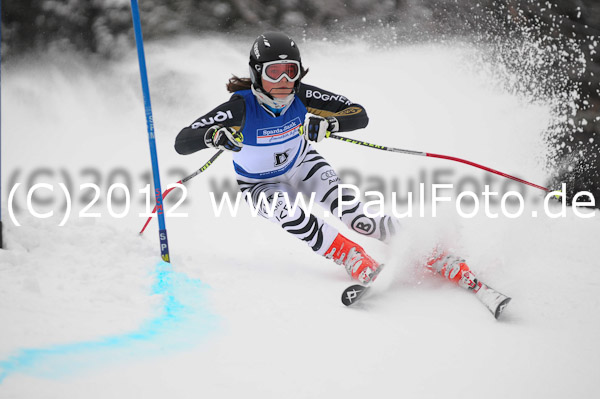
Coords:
pixel 272 46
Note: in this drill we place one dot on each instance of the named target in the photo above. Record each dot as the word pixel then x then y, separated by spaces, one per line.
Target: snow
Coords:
pixel 244 310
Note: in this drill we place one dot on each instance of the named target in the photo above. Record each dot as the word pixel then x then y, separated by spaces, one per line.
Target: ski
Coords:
pixel 355 292
pixel 493 300
pixel 352 294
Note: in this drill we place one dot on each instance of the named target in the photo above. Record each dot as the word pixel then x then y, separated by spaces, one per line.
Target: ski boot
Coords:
pixel 353 257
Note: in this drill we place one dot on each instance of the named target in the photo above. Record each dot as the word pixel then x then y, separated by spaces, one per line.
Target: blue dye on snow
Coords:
pixel 182 323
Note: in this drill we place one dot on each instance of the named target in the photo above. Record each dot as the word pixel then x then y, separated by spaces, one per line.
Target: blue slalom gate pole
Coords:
pixel 162 230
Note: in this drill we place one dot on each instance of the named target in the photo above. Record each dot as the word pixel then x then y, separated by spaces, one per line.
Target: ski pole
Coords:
pixel 182 181
pixel 427 154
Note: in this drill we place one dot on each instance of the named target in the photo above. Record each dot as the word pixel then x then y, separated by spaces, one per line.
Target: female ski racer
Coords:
pixel 270 124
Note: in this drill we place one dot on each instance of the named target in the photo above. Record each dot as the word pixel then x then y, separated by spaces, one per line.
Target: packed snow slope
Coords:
pixel 87 309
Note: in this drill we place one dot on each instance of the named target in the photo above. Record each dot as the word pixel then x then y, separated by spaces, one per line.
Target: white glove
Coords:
pixel 317 127
pixel 223 138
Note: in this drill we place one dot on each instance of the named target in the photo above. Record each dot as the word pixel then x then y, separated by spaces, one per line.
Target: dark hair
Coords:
pixel 236 84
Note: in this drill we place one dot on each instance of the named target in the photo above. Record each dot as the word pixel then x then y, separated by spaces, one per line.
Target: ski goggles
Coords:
pixel 274 71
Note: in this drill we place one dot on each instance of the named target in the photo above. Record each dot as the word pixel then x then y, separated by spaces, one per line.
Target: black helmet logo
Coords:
pixel 256 51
